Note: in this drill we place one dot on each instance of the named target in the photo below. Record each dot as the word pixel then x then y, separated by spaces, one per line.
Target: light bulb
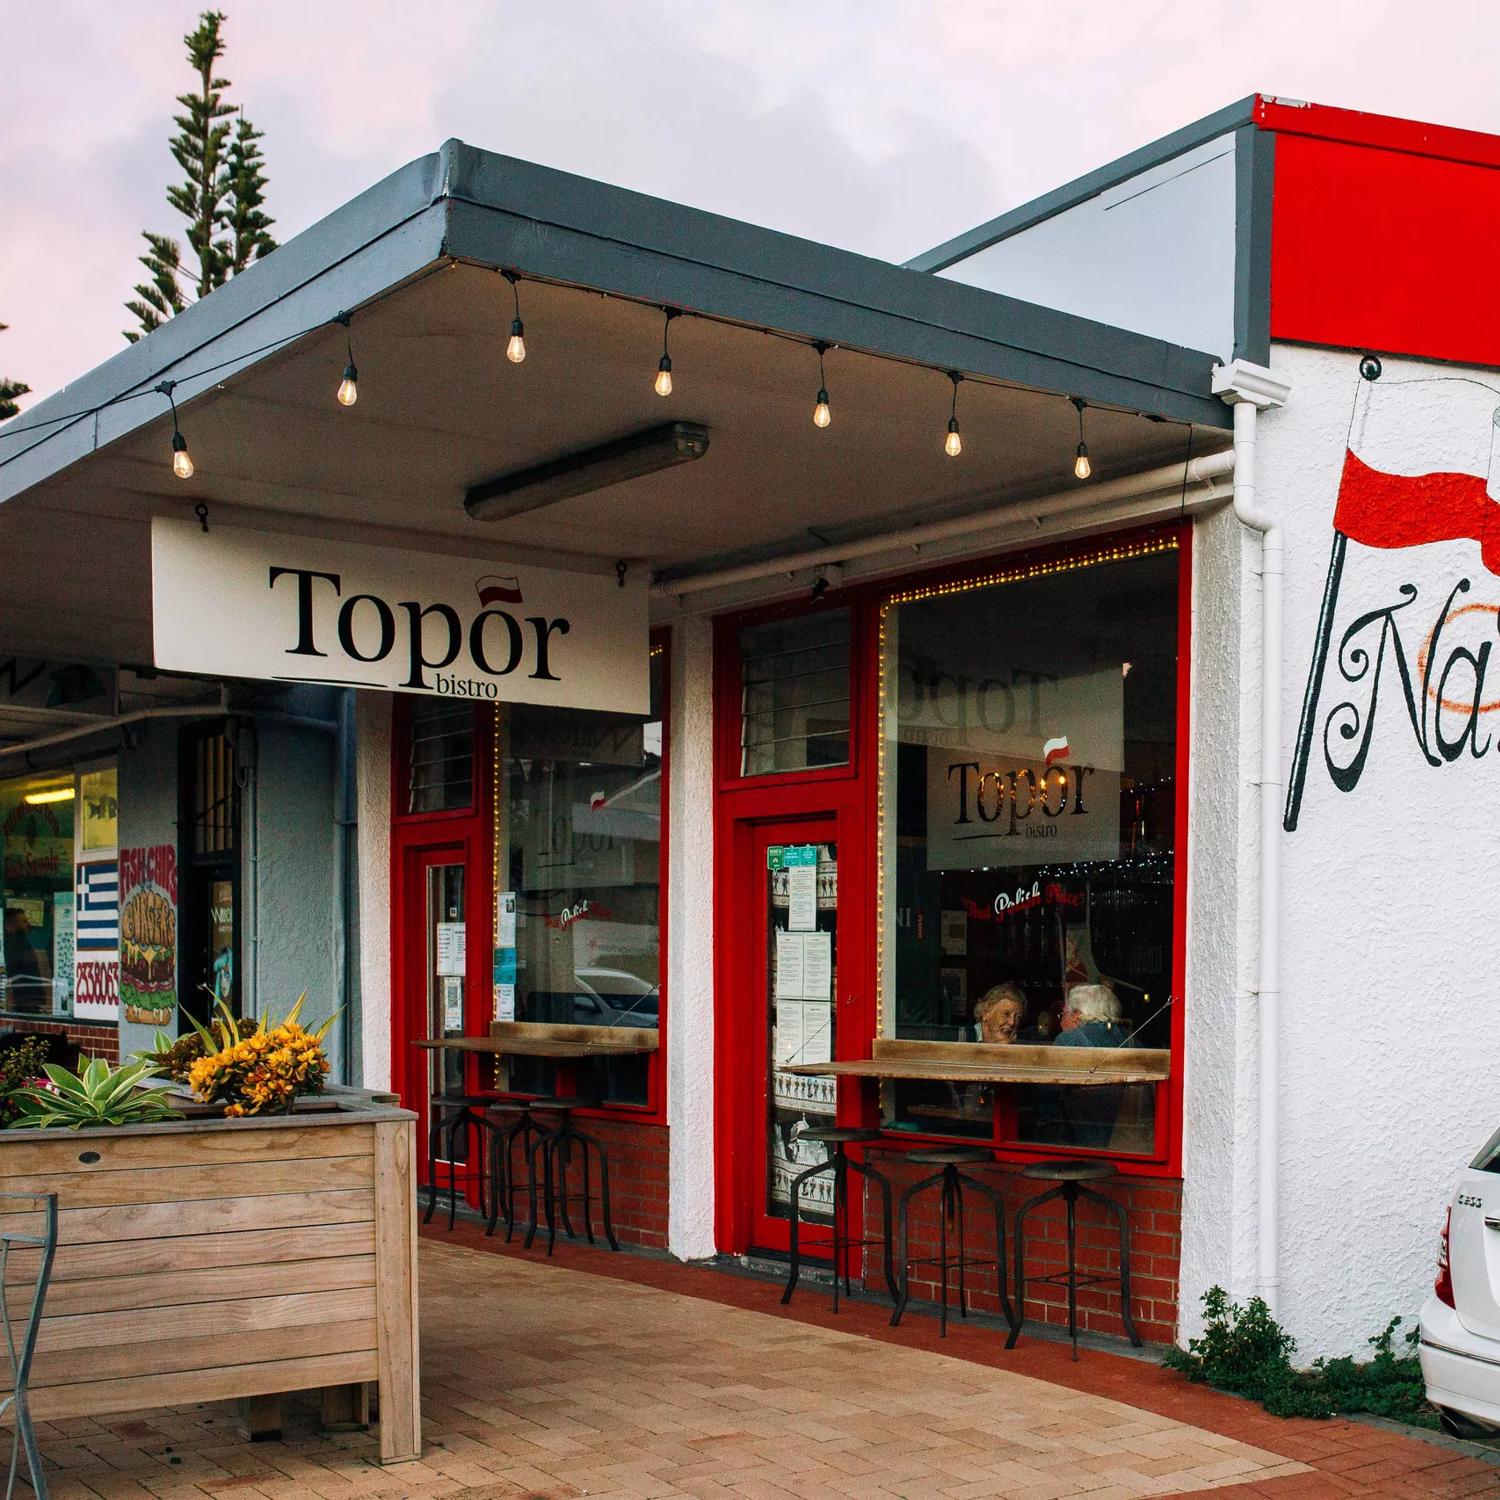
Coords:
pixel 182 465
pixel 1082 468
pixel 822 412
pixel 515 350
pixel 348 389
pixel 954 445
pixel 664 377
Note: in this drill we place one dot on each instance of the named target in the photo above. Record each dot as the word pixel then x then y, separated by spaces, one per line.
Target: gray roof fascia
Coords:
pixel 1080 189
pixel 1254 186
pixel 384 236
pixel 511 213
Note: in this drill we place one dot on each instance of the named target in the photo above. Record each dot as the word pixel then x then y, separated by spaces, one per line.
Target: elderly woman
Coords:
pixel 999 1013
pixel 1091 1018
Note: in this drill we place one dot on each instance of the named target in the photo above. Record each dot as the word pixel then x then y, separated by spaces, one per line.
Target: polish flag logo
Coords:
pixel 1423 465
pixel 496 588
pixel 1056 750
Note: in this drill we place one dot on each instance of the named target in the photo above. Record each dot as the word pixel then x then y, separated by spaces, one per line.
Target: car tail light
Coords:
pixel 1443 1286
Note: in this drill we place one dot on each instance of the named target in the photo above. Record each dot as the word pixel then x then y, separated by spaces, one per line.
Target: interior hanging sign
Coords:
pixel 235 603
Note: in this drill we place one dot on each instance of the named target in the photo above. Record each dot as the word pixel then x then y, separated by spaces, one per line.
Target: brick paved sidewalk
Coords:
pixel 618 1376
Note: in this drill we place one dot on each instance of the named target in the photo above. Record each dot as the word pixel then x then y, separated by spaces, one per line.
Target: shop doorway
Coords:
pixel 789 998
pixel 432 973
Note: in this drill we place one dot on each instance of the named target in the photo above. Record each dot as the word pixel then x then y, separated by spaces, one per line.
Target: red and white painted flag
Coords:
pixel 1056 750
pixel 1423 465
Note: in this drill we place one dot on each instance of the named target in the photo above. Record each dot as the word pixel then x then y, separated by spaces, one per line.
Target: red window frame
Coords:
pixel 475 824
pixel 740 796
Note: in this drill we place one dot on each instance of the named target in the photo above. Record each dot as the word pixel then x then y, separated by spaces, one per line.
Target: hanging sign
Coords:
pixel 236 603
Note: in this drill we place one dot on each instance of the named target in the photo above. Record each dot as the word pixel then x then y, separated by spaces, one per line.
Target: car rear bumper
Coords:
pixel 1461 1369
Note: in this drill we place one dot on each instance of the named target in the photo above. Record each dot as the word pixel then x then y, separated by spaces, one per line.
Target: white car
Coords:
pixel 1460 1347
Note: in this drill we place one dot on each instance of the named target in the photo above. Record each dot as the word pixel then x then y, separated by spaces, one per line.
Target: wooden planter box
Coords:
pixel 204 1260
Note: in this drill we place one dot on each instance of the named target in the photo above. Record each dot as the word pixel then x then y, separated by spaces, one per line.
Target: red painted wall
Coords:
pixel 1382 234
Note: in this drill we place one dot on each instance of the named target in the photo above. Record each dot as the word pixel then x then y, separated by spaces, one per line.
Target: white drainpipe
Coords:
pixel 1250 389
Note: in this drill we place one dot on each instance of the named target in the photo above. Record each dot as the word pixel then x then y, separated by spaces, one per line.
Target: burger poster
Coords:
pixel 148 934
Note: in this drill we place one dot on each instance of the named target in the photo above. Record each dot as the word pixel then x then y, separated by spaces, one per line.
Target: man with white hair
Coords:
pixel 1091 1018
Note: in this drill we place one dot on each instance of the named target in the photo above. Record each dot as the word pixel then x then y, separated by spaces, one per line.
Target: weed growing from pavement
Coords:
pixel 1245 1351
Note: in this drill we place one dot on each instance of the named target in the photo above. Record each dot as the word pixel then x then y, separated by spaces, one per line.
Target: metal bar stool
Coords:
pixel 951 1181
pixel 552 1153
pixel 1070 1177
pixel 448 1115
pixel 506 1184
pixel 18 1355
pixel 840 1164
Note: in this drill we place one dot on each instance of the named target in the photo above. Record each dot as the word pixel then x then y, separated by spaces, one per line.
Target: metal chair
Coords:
pixel 552 1154
pixel 1070 1177
pixel 951 1180
pixel 840 1164
pixel 448 1115
pixel 43 1205
pixel 506 1184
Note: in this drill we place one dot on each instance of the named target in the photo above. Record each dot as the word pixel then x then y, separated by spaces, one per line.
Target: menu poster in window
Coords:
pixel 1052 797
pixel 148 934
pixel 63 953
pixel 450 948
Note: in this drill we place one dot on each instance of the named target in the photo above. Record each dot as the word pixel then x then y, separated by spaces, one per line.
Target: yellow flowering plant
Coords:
pixel 260 1067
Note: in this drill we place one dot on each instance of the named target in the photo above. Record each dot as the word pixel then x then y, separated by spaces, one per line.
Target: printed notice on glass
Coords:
pixel 817 966
pixel 817 1033
pixel 789 965
pixel 505 1002
pixel 802 898
pixel 505 932
pixel 789 1031
pixel 450 948
pixel 453 1004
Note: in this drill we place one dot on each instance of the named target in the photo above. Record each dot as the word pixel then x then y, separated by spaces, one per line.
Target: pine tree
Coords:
pixel 223 190
pixel 10 392
pixel 248 223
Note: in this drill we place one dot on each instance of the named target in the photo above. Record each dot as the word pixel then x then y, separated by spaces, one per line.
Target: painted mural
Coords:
pixel 1421 466
pixel 148 934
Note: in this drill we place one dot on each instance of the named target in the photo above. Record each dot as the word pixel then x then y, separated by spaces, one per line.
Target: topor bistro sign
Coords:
pixel 235 603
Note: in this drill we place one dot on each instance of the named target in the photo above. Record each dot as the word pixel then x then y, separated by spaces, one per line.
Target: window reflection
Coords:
pixel 578 825
pixel 1028 818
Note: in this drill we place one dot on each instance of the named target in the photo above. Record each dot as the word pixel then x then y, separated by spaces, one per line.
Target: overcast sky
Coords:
pixel 880 125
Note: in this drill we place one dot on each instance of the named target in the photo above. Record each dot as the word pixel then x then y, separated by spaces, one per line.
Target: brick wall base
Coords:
pixel 1153 1210
pixel 637 1178
pixel 93 1041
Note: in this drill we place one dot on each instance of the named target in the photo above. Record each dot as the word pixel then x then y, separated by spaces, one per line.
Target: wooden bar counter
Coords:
pixel 213 1259
pixel 989 1062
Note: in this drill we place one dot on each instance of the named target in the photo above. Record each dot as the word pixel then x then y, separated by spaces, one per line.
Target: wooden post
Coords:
pixel 259 1417
pixel 396 1289
pixel 346 1408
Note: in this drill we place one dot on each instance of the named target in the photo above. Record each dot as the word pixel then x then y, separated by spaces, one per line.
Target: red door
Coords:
pixel 434 988
pixel 791 996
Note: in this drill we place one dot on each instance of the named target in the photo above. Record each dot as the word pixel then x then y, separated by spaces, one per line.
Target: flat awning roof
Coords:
pixel 415 260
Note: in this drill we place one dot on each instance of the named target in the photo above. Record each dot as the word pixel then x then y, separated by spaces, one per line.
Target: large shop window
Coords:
pixel 578 880
pixel 50 822
pixel 1028 757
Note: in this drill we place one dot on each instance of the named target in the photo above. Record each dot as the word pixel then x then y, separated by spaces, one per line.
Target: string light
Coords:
pixel 182 463
pixel 348 386
pixel 515 350
pixel 664 367
pixel 1082 468
pixel 822 412
pixel 953 444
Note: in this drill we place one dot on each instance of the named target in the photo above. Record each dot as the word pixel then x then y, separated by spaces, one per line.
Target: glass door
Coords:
pixel 434 978
pixel 794 983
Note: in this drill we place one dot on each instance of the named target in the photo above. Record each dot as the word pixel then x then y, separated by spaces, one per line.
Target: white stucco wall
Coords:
pixel 372 730
pixel 690 941
pixel 1390 942
pixel 1220 1060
